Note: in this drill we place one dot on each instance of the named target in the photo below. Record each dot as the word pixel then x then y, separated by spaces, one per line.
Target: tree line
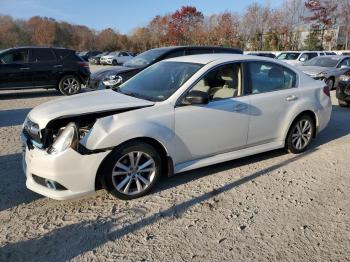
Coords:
pixel 260 27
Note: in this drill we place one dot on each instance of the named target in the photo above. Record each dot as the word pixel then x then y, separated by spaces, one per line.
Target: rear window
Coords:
pixel 288 56
pixel 43 55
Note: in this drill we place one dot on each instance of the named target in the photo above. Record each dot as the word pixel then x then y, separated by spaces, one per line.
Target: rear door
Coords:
pixel 44 66
pixel 272 91
pixel 15 70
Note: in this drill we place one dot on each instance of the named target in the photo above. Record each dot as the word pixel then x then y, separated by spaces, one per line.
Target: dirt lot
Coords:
pixel 272 206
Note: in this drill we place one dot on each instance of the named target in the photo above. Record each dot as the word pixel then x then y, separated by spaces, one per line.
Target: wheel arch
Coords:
pixel 167 162
pixel 309 112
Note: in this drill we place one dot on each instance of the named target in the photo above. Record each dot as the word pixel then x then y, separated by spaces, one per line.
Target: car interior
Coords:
pixel 221 83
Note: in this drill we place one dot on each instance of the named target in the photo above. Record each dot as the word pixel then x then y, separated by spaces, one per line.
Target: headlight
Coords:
pixel 344 78
pixel 113 80
pixel 322 74
pixel 68 138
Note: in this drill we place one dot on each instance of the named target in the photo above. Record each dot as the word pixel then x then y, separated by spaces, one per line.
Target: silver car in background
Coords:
pixel 328 68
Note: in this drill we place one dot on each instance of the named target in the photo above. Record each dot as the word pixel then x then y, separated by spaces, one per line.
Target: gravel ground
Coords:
pixel 271 206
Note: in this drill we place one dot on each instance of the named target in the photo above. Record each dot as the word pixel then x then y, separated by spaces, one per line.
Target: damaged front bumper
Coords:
pixel 61 176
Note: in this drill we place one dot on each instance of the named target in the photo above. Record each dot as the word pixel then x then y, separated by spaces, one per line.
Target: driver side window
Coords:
pixel 15 57
pixel 222 82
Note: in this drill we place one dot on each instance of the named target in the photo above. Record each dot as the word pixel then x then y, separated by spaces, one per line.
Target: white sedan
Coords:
pixel 177 115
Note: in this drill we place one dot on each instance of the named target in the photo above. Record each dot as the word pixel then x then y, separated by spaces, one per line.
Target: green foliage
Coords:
pixel 312 42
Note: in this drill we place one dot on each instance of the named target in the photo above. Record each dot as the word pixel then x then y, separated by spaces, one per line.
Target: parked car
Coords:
pixel 113 77
pixel 296 58
pixel 115 58
pixel 329 53
pixel 327 68
pixel 95 60
pixel 43 67
pixel 87 55
pixel 264 54
pixel 343 89
pixel 177 115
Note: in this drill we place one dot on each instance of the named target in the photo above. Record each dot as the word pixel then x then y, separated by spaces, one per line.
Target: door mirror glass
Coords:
pixel 196 97
pixel 302 59
pixel 344 66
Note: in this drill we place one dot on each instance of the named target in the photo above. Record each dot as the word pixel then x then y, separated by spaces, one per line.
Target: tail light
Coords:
pixel 83 64
pixel 326 91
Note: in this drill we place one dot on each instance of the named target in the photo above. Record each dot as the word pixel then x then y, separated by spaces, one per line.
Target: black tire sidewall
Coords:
pixel 114 62
pixel 116 154
pixel 60 85
pixel 327 82
pixel 289 145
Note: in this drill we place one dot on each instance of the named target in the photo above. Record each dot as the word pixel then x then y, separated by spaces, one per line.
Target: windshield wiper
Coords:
pixel 137 95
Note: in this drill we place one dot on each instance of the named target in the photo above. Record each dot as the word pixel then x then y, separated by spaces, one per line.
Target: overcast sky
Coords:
pixel 121 15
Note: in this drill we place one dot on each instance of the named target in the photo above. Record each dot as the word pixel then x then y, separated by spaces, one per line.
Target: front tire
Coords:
pixel 69 85
pixel 114 62
pixel 132 170
pixel 300 134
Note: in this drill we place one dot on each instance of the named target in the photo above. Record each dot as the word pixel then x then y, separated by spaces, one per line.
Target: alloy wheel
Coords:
pixel 133 173
pixel 302 133
pixel 71 85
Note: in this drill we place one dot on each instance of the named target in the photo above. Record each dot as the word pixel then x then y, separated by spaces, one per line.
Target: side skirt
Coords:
pixel 194 164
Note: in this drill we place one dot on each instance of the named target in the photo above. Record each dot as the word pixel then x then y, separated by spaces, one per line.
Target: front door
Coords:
pixel 15 70
pixel 219 126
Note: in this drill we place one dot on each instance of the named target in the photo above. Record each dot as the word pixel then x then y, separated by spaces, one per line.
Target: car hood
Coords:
pixel 314 70
pixel 83 104
pixel 100 74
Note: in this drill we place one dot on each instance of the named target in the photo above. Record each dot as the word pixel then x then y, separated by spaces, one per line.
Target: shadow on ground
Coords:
pixel 13 117
pixel 89 235
pixel 26 94
pixel 13 189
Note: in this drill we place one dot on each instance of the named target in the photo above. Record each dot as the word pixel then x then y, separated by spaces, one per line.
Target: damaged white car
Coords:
pixel 176 115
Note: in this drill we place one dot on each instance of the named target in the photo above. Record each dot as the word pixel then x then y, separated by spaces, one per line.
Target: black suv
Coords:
pixel 43 67
pixel 114 76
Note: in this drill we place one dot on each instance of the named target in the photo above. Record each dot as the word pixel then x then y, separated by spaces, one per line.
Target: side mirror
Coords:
pixel 302 59
pixel 344 66
pixel 196 97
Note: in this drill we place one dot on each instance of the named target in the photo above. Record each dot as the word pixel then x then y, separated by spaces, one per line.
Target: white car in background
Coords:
pixel 115 58
pixel 177 115
pixel 327 68
pixel 297 58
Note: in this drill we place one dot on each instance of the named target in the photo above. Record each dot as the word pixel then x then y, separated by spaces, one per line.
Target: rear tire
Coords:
pixel 343 103
pixel 69 85
pixel 300 134
pixel 131 171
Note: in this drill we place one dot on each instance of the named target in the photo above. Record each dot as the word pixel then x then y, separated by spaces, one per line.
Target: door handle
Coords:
pixel 24 68
pixel 291 98
pixel 57 66
pixel 240 107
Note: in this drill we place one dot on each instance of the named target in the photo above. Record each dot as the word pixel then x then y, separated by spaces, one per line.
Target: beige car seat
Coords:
pixel 231 76
pixel 201 86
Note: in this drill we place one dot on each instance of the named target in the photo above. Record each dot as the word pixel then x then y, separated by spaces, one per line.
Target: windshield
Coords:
pixel 145 58
pixel 159 81
pixel 288 56
pixel 323 61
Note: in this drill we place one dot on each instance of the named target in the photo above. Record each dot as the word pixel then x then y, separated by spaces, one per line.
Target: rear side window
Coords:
pixel 267 77
pixel 43 55
pixel 67 55
pixel 15 57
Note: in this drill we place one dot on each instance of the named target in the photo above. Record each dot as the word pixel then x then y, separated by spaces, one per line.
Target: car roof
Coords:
pixel 222 57
pixel 171 48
